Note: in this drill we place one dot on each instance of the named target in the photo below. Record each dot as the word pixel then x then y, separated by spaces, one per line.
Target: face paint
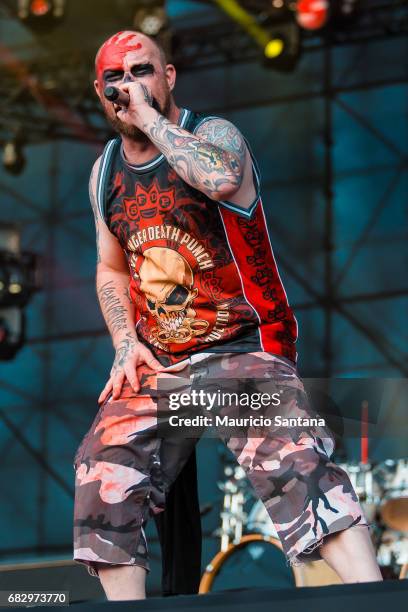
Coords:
pixel 124 55
pixel 113 52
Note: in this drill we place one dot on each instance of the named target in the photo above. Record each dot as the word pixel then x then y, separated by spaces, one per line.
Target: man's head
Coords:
pixel 129 56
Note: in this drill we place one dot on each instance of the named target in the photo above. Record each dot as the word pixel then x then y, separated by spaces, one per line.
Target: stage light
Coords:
pixel 150 18
pixel 283 50
pixel 151 24
pixel 12 332
pixel 19 271
pixel 16 281
pixel 13 157
pixel 312 14
pixel 41 13
pixel 40 7
pixel 17 284
pixel 12 280
pixel 15 288
pixel 3 282
pixel 274 48
pixel 19 279
pixel 275 32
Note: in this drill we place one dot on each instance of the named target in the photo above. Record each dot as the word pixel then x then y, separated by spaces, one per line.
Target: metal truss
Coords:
pixel 51 96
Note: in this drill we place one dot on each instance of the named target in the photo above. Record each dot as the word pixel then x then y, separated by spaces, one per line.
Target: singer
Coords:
pixel 188 285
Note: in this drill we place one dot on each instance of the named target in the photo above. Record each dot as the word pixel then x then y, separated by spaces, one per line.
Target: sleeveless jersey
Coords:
pixel 202 273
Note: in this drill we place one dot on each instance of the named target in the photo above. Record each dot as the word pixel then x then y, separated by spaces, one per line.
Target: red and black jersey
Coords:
pixel 202 273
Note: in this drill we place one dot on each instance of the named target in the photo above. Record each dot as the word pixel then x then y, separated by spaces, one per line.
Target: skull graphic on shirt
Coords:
pixel 167 281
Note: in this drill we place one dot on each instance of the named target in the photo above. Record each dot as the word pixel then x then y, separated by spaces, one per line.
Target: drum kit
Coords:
pixel 251 554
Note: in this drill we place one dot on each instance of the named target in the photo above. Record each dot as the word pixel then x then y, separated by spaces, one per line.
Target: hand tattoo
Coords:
pixel 123 350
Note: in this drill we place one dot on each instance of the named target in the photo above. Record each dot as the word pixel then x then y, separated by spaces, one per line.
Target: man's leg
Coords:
pixel 309 499
pixel 351 554
pixel 123 582
pixel 117 485
pixel 120 482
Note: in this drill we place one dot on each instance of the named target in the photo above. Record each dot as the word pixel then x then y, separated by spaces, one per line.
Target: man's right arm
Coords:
pixel 112 282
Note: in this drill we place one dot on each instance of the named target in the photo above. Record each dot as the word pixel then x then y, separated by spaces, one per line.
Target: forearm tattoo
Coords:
pixel 96 213
pixel 123 350
pixel 212 161
pixel 116 315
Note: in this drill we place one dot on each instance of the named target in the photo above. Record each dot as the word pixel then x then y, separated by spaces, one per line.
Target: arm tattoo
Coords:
pixel 123 349
pixel 95 212
pixel 225 135
pixel 212 161
pixel 115 313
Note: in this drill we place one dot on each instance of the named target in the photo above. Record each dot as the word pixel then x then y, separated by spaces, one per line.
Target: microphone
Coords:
pixel 113 94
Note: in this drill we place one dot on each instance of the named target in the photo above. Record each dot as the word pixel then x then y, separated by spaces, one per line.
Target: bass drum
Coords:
pixel 256 561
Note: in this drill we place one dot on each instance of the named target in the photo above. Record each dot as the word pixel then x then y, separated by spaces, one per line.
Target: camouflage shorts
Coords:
pixel 123 469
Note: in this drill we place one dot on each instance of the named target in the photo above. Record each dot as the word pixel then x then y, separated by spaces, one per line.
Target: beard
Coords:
pixel 133 132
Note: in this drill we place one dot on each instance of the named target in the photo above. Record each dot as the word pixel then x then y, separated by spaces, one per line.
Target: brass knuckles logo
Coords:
pixel 147 203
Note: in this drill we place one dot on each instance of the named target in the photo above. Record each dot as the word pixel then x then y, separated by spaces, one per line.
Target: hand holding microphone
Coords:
pixel 122 98
pixel 133 103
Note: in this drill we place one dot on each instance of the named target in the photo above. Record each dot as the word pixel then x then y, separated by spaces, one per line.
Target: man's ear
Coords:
pixel 170 76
